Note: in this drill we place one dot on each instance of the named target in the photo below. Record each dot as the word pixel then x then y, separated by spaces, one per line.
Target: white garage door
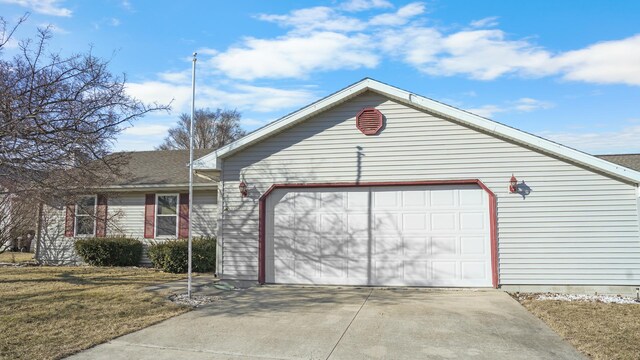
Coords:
pixel 405 235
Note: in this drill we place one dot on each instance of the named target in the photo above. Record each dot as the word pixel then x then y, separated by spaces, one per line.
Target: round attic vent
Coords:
pixel 369 121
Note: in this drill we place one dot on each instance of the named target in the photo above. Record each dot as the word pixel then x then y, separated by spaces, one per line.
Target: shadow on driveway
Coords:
pixel 279 322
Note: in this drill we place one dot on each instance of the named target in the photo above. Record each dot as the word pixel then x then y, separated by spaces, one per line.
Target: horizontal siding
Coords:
pixel 572 215
pixel 53 246
pixel 125 217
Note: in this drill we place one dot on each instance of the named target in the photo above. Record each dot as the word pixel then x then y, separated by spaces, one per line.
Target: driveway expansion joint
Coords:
pixel 350 322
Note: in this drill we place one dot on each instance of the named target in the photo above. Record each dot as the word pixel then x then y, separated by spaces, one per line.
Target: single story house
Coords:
pixel 150 203
pixel 374 185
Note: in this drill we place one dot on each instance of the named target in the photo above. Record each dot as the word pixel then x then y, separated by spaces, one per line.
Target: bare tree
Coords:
pixel 212 129
pixel 59 116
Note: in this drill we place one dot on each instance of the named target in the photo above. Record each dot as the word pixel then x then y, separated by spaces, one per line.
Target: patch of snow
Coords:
pixel 608 299
pixel 195 301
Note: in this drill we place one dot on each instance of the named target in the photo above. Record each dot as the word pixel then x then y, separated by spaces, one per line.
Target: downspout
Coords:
pixel 39 232
pixel 221 212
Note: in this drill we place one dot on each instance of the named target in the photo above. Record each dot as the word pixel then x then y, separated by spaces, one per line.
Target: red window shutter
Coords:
pixel 69 220
pixel 183 224
pixel 149 215
pixel 101 216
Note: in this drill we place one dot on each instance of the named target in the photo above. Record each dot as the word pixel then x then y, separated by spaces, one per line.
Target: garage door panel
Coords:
pixel 473 245
pixel 473 270
pixel 443 271
pixel 333 246
pixel 422 236
pixel 443 222
pixel 472 221
pixel 415 199
pixel 333 223
pixel 385 246
pixel 444 246
pixel 385 200
pixel 415 222
pixel 442 198
pixel 358 200
pixel 415 245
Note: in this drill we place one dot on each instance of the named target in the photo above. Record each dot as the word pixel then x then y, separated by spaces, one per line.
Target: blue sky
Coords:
pixel 568 71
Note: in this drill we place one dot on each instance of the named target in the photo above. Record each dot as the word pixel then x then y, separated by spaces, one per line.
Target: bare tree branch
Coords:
pixel 212 129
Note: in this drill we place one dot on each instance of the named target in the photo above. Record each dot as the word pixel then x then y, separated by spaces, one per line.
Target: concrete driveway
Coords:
pixel 275 322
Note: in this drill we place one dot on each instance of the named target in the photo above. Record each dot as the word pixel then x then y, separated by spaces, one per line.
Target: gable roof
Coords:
pixel 632 161
pixel 210 162
pixel 157 168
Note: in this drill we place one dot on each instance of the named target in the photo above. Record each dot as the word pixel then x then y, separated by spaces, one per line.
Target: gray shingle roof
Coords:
pixel 632 161
pixel 159 167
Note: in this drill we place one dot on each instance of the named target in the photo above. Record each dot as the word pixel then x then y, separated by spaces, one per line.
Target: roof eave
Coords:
pixel 457 115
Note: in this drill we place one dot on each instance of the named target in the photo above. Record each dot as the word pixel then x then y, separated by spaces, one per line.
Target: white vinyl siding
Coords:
pixel 125 217
pixel 572 216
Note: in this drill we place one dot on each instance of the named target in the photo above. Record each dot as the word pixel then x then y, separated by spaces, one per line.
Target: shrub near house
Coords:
pixel 110 251
pixel 171 256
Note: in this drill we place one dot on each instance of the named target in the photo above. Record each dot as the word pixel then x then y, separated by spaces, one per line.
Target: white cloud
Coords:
pixel 296 56
pixel 485 22
pixel 241 97
pixel 400 17
pixel 252 123
pixel 316 18
pixel 147 130
pixel 529 104
pixel 126 4
pixel 624 140
pixel 487 111
pixel 362 5
pixel 176 77
pixel 45 7
pixel 486 55
pixel 54 28
pixel 519 105
pixel 323 39
pixel 608 62
pixel 114 22
pixel 207 51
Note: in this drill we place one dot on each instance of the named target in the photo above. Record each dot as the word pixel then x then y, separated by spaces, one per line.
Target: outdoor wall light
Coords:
pixel 244 191
pixel 513 184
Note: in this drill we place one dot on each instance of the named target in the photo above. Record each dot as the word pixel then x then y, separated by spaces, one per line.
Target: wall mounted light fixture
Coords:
pixel 513 184
pixel 244 190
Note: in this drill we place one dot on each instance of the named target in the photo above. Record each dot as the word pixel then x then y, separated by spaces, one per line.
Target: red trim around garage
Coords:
pixel 493 218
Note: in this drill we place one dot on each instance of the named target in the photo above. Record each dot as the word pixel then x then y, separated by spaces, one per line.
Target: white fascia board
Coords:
pixel 432 106
pixel 154 187
pixel 209 161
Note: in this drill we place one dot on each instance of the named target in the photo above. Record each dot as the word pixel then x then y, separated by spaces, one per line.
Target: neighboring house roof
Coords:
pixel 210 162
pixel 158 168
pixel 632 161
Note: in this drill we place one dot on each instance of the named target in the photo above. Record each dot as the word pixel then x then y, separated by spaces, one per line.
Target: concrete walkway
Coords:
pixel 276 322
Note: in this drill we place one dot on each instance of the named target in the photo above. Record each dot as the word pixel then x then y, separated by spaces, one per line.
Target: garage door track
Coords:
pixel 277 322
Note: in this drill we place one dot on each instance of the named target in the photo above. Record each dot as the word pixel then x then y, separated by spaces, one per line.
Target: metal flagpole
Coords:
pixel 193 109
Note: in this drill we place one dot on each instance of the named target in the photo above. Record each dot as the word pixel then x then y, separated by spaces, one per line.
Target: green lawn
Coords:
pixel 52 312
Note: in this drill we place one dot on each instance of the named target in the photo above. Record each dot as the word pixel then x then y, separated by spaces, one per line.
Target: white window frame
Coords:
pixel 95 215
pixel 177 215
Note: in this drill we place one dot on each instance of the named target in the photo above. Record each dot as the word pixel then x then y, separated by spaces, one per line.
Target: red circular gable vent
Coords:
pixel 369 121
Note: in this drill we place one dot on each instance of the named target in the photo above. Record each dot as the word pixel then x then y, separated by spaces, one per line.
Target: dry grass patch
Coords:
pixel 16 257
pixel 51 312
pixel 599 330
